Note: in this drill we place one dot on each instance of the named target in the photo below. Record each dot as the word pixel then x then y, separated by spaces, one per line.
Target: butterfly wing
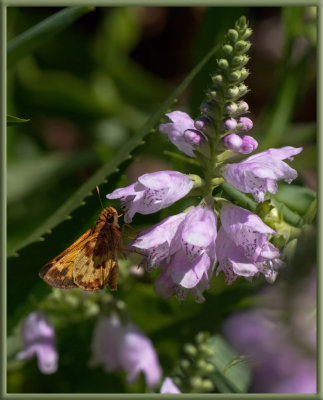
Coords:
pixel 59 271
pixel 96 265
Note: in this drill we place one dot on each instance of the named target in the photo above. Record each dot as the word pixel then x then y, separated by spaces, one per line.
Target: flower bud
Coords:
pixel 230 124
pixel 246 34
pixel 242 88
pixel 233 35
pixel 184 364
pixel 231 108
pixel 242 46
pixel 243 106
pixel 202 122
pixel 233 92
pixel 190 349
pixel 234 76
pixel 241 23
pixel 247 124
pixel 218 79
pixel 244 73
pixel 240 61
pixel 223 64
pixel 196 382
pixel 227 49
pixel 232 142
pixel 193 136
pixel 249 144
pixel 207 385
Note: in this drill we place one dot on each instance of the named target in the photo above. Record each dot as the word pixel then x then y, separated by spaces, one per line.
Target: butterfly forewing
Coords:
pixel 91 262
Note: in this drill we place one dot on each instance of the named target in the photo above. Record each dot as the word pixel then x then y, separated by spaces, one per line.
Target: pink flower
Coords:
pixel 182 133
pixel 242 246
pixel 124 347
pixel 39 340
pixel 259 172
pixel 152 192
pixel 183 246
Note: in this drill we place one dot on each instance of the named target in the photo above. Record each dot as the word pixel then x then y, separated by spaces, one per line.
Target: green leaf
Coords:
pixel 310 213
pixel 297 198
pixel 230 376
pixel 11 120
pixel 40 33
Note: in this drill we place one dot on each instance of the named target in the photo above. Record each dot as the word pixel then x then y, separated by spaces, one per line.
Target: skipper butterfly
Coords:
pixel 91 262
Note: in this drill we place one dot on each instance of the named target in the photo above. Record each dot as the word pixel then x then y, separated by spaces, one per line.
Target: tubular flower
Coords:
pixel 183 246
pixel 152 192
pixel 260 172
pixel 242 246
pixel 124 347
pixel 40 341
pixel 182 132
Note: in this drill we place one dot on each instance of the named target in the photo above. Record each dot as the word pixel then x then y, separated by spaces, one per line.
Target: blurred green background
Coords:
pixel 87 91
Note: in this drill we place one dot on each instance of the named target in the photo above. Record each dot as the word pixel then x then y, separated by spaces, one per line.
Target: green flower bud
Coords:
pixel 227 49
pixel 234 76
pixel 190 349
pixel 223 64
pixel 233 35
pixel 244 73
pixel 246 34
pixel 241 23
pixel 184 364
pixel 202 337
pixel 242 88
pixel 217 79
pixel 233 92
pixel 177 380
pixel 196 382
pixel 207 385
pixel 240 61
pixel 206 350
pixel 242 46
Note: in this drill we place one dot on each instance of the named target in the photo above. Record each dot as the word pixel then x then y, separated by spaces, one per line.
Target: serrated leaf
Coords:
pixel 36 36
pixel 11 120
pixel 230 376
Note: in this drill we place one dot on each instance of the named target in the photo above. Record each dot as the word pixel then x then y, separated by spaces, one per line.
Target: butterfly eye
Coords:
pixel 110 220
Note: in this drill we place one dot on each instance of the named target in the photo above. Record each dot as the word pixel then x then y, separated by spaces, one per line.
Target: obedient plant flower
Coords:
pixel 152 192
pixel 242 246
pixel 183 246
pixel 169 387
pixel 260 172
pixel 40 341
pixel 182 132
pixel 124 347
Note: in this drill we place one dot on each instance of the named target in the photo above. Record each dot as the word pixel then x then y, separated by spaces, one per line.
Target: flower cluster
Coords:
pixel 187 246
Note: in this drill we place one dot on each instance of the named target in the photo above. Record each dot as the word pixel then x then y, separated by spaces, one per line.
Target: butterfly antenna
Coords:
pixel 97 189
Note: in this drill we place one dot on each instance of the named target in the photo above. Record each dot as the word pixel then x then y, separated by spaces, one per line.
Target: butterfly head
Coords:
pixel 109 215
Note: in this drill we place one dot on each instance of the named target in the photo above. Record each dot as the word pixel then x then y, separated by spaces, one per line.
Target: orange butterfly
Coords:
pixel 90 263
